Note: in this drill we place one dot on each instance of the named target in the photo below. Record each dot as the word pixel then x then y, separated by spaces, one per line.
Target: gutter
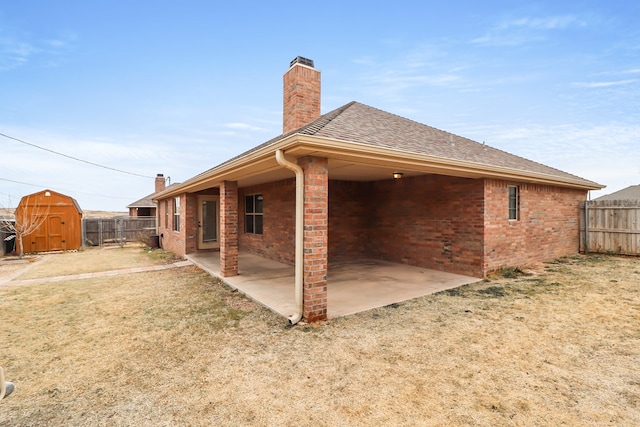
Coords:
pixel 299 239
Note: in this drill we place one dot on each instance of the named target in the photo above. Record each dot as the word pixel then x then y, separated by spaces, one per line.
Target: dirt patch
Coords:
pixel 176 347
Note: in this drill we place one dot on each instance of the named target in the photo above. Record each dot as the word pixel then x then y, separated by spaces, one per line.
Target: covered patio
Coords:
pixel 352 287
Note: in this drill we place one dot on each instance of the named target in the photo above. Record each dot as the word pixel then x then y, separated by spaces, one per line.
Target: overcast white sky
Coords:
pixel 176 88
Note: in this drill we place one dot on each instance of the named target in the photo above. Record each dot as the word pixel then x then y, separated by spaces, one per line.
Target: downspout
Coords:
pixel 299 239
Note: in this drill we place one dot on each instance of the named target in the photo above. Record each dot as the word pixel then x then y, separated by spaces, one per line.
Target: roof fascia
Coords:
pixel 300 145
pixel 310 145
pixel 226 170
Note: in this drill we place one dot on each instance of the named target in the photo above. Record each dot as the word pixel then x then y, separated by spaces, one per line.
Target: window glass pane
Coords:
pixel 258 229
pixel 248 204
pixel 209 221
pixel 248 223
pixel 513 202
pixel 259 203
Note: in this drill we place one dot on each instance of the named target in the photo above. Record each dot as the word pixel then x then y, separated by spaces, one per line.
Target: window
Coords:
pixel 176 214
pixel 253 214
pixel 514 203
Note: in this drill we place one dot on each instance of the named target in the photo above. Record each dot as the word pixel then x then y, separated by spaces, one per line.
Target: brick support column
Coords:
pixel 316 220
pixel 229 228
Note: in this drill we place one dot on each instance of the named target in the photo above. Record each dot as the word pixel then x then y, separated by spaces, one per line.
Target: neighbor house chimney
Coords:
pixel 301 94
pixel 160 183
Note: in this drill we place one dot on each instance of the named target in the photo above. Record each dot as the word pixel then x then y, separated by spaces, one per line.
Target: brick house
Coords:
pixel 361 183
pixel 146 206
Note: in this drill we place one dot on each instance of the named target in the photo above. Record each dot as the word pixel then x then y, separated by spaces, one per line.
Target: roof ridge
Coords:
pixel 308 129
pixel 322 121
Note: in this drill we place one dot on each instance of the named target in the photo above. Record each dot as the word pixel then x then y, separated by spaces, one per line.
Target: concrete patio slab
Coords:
pixel 352 287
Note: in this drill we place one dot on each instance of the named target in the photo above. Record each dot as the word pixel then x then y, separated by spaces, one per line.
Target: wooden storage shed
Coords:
pixel 56 220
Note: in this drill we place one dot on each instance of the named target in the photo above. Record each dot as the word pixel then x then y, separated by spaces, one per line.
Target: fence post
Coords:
pixel 586 226
pixel 121 241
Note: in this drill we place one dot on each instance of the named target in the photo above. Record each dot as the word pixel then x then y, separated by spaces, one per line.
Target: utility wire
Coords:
pixel 74 191
pixel 74 158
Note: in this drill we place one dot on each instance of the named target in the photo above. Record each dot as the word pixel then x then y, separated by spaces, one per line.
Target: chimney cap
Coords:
pixel 302 60
pixel 159 175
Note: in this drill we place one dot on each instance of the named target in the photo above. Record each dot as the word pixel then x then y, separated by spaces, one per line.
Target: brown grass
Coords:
pixel 177 348
pixel 93 260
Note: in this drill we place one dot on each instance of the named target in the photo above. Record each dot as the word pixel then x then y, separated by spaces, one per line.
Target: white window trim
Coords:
pixel 517 208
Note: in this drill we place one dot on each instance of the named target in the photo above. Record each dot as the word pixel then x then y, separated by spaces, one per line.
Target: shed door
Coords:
pixel 56 241
pixel 39 237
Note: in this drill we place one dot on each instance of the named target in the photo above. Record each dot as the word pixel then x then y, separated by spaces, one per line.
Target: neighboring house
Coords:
pixel 146 206
pixel 630 193
pixel 58 220
pixel 7 236
pixel 361 183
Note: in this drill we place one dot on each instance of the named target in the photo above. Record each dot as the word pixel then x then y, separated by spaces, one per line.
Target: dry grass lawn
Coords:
pixel 91 260
pixel 561 347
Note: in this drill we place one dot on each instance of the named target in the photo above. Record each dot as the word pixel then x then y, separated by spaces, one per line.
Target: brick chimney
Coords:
pixel 301 94
pixel 160 183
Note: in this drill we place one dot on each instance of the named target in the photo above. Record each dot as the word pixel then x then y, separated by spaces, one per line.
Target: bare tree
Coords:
pixel 27 218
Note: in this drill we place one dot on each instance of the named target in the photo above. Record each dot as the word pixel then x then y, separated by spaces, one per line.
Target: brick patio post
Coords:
pixel 229 228
pixel 316 217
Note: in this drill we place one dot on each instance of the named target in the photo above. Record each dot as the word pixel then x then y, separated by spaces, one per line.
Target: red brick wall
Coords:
pixel 278 239
pixel 428 221
pixel 159 183
pixel 301 97
pixel 185 241
pixel 229 228
pixel 170 240
pixel 548 227
pixel 349 220
pixel 432 221
pixel 316 221
pixel 189 222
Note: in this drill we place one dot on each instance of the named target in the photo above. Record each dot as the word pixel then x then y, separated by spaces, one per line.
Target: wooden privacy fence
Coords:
pixel 118 230
pixel 610 226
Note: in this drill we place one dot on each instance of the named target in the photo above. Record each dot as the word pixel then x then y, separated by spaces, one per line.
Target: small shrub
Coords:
pixel 509 273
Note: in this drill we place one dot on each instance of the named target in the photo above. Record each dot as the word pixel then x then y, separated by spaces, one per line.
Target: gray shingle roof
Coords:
pixel 630 193
pixel 361 124
pixel 370 126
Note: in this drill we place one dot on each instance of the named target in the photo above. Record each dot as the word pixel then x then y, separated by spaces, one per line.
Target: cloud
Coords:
pixel 604 84
pixel 425 66
pixel 546 23
pixel 14 54
pixel 506 39
pixel 519 31
pixel 16 51
pixel 242 126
